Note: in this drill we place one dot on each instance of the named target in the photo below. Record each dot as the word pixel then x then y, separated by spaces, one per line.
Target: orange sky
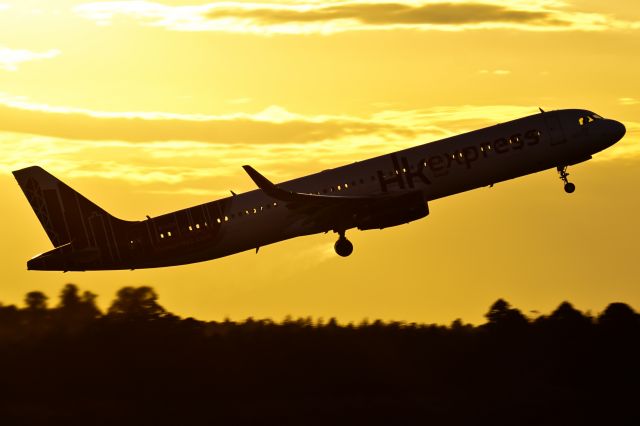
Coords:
pixel 147 107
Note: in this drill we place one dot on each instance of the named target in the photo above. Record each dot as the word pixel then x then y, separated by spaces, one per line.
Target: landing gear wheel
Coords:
pixel 343 247
pixel 569 187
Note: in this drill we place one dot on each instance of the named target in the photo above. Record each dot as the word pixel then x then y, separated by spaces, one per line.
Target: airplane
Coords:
pixel 377 193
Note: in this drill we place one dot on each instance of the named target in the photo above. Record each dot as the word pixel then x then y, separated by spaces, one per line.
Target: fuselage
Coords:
pixel 254 219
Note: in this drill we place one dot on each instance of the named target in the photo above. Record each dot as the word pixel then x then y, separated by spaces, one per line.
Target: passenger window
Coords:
pixel 169 233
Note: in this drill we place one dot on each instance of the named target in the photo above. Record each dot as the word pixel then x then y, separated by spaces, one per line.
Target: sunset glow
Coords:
pixel 147 107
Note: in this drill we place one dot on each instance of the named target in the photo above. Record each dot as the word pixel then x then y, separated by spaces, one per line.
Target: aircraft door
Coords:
pixel 138 242
pixel 554 129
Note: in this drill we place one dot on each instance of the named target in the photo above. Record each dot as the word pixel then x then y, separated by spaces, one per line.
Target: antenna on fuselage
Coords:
pixel 541 110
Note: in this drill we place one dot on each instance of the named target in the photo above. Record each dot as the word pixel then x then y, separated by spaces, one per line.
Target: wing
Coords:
pixel 328 211
pixel 281 194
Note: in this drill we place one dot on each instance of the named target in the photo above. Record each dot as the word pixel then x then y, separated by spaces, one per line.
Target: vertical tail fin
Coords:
pixel 64 214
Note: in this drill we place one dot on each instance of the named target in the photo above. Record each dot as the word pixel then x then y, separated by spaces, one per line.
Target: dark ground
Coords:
pixel 138 364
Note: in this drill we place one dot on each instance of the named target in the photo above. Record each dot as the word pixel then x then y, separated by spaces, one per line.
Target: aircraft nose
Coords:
pixel 616 131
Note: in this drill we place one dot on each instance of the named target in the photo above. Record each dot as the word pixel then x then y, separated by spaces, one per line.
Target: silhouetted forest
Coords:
pixel 136 363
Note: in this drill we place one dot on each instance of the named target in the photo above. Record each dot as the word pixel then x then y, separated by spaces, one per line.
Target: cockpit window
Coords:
pixel 586 119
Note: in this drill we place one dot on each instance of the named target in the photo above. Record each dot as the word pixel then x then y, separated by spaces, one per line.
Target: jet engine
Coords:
pixel 393 211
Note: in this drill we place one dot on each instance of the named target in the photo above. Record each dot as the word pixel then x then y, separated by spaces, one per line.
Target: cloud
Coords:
pixel 495 72
pixel 332 17
pixel 388 13
pixel 11 58
pixel 273 125
pixel 629 101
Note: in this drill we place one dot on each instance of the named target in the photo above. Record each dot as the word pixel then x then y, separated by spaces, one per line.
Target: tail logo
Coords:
pixel 34 195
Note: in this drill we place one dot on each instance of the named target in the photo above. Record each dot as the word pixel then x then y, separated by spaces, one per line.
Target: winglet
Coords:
pixel 267 186
pixel 262 182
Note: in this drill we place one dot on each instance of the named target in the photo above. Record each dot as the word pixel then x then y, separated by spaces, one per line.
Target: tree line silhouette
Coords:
pixel 137 363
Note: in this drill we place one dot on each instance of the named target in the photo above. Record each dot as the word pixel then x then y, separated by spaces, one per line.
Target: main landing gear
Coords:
pixel 343 246
pixel 568 186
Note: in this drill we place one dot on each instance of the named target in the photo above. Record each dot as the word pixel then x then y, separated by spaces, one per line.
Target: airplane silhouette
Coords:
pixel 377 193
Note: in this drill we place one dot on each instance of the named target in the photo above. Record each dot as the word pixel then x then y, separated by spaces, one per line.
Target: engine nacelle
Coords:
pixel 396 211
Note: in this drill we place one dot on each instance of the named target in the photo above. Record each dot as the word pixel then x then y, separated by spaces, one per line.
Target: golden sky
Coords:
pixel 147 107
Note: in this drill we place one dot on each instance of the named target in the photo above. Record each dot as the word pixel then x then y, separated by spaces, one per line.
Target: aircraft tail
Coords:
pixel 66 216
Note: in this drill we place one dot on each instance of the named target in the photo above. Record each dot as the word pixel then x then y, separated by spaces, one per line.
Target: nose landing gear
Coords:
pixel 343 246
pixel 568 186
